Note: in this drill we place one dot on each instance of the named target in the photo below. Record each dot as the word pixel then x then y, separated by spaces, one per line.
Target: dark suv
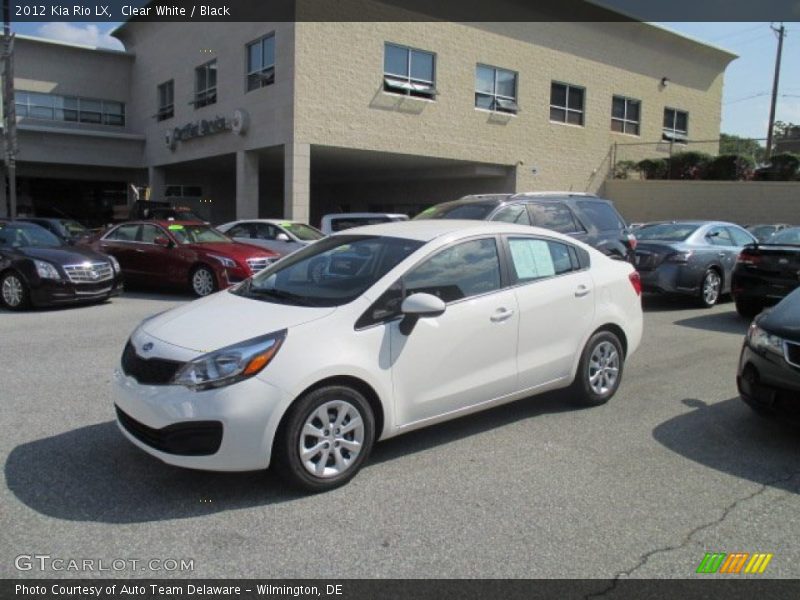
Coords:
pixel 585 217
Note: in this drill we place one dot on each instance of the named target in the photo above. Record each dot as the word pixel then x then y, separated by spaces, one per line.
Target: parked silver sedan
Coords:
pixel 693 258
pixel 278 235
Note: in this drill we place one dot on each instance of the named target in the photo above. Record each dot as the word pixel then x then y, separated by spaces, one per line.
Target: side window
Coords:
pixel 719 236
pixel 602 215
pixel 556 217
pixel 242 230
pixel 516 213
pixel 740 238
pixel 149 233
pixel 124 233
pixel 267 231
pixel 533 259
pixel 467 269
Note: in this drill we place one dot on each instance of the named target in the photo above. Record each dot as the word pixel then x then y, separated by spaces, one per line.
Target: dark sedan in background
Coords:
pixel 763 232
pixel 68 230
pixel 39 269
pixel 181 254
pixel 766 272
pixel 769 366
pixel 694 258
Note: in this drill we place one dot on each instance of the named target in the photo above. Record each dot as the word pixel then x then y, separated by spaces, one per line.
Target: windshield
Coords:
pixel 331 272
pixel 666 232
pixel 73 227
pixel 476 211
pixel 787 236
pixel 24 236
pixel 197 234
pixel 303 232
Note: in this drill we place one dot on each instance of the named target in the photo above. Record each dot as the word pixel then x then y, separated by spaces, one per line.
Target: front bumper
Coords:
pixel 180 426
pixel 766 381
pixel 47 292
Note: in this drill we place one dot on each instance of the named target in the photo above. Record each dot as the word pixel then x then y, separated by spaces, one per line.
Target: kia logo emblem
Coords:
pixel 147 347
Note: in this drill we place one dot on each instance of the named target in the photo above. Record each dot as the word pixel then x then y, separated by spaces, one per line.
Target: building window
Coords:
pixel 409 72
pixel 205 84
pixel 166 100
pixel 261 63
pixel 566 103
pixel 496 89
pixel 53 107
pixel 182 191
pixel 676 125
pixel 625 115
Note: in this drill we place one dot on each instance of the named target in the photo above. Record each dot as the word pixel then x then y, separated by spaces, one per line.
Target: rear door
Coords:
pixel 556 295
pixel 120 243
pixel 727 251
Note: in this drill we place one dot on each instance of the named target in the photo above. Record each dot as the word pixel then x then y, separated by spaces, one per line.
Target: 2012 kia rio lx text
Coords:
pixel 371 333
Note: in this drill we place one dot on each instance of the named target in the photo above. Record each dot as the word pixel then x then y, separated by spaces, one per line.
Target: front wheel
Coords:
pixel 203 281
pixel 599 371
pixel 325 439
pixel 14 293
pixel 710 288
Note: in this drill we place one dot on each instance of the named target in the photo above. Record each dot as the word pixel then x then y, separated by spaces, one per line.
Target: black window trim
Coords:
pixel 425 95
pixel 566 108
pixel 625 120
pixel 516 283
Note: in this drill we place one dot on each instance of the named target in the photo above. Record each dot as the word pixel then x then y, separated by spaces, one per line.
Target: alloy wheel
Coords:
pixel 331 439
pixel 711 287
pixel 603 368
pixel 203 282
pixel 13 292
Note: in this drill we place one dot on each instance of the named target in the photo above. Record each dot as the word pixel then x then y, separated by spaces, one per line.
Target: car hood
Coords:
pixel 224 318
pixel 784 319
pixel 236 250
pixel 64 255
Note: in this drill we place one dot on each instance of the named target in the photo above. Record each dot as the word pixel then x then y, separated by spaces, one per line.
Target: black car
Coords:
pixel 769 366
pixel 585 217
pixel 69 230
pixel 37 268
pixel 766 272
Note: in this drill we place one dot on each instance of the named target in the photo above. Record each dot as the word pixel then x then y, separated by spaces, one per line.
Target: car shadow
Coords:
pixel 729 437
pixel 94 474
pixel 668 302
pixel 152 292
pixel 727 322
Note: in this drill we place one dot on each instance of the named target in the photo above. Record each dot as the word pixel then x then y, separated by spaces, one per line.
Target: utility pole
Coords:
pixel 781 31
pixel 9 111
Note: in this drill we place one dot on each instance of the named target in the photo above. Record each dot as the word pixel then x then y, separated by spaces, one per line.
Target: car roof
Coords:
pixel 697 222
pixel 161 222
pixel 429 229
pixel 365 215
pixel 270 221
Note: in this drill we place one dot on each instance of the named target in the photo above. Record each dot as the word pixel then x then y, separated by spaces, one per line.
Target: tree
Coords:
pixel 782 128
pixel 734 144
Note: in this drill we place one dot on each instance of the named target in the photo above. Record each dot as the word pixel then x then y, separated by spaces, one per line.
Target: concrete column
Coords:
pixel 297 181
pixel 157 181
pixel 246 185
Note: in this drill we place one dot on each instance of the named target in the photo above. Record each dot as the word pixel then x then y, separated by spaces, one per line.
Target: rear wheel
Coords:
pixel 203 281
pixel 710 288
pixel 14 293
pixel 325 438
pixel 748 308
pixel 600 370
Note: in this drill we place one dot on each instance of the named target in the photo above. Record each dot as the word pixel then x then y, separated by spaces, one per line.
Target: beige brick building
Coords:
pixel 300 119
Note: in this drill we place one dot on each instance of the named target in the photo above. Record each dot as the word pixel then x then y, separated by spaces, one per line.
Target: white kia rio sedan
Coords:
pixel 371 333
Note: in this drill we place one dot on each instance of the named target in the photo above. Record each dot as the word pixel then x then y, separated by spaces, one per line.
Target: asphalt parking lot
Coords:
pixel 673 467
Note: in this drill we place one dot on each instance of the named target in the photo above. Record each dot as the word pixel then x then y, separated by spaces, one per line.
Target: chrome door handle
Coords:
pixel 582 291
pixel 501 314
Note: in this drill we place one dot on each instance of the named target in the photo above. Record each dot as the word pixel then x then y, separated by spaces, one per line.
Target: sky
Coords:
pixel 748 79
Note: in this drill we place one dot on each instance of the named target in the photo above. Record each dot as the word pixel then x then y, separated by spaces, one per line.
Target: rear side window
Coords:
pixel 516 213
pixel 533 259
pixel 740 238
pixel 242 230
pixel 602 215
pixel 554 216
pixel 124 233
pixel 719 236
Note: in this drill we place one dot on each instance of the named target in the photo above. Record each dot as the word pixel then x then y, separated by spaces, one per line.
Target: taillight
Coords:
pixel 632 241
pixel 746 257
pixel 636 282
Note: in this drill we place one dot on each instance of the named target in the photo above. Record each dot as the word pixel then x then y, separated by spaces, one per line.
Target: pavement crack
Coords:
pixel 687 539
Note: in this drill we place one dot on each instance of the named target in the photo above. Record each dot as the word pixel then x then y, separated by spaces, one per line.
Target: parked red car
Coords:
pixel 180 254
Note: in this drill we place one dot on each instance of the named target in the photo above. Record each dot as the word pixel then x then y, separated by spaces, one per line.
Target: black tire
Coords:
pixel 582 391
pixel 14 292
pixel 748 308
pixel 706 298
pixel 207 275
pixel 287 460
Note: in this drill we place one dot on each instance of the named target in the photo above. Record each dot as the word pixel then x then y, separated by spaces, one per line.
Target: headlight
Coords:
pixel 114 264
pixel 764 341
pixel 231 364
pixel 46 270
pixel 226 262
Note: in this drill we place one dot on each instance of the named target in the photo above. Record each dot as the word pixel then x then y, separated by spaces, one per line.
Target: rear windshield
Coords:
pixel 603 215
pixel 666 232
pixel 787 236
pixel 475 211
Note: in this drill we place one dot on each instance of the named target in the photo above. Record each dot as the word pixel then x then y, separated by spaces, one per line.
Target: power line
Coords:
pixel 735 33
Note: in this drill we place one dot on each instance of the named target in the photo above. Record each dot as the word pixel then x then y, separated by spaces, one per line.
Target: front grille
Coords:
pixel 148 371
pixel 792 353
pixel 89 272
pixel 257 264
pixel 192 438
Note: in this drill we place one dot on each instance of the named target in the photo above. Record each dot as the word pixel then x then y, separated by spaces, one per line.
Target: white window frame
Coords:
pixel 207 96
pixel 406 85
pixel 498 100
pixel 265 75
pixel 673 134
pixel 625 120
pixel 566 108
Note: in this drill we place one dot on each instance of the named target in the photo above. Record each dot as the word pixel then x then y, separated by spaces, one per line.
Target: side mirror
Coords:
pixel 162 241
pixel 419 306
pixel 282 237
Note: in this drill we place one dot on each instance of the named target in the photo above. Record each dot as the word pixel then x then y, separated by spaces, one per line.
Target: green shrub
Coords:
pixel 653 168
pixel 624 168
pixel 730 167
pixel 689 165
pixel 782 167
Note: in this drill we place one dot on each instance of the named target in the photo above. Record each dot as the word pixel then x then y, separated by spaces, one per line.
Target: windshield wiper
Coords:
pixel 278 295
